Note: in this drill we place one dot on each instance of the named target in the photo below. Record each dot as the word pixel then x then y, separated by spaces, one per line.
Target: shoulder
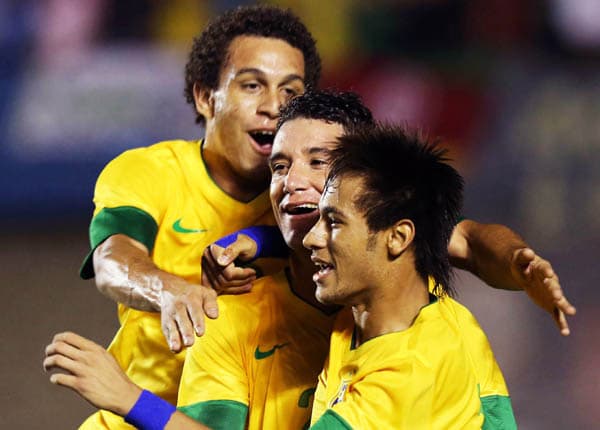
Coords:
pixel 246 310
pixel 158 152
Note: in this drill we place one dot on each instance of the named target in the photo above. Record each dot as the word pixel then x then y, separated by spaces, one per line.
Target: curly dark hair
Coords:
pixel 209 50
pixel 340 107
pixel 405 176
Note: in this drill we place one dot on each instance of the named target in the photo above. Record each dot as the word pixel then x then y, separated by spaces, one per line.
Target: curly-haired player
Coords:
pixel 210 49
pixel 158 207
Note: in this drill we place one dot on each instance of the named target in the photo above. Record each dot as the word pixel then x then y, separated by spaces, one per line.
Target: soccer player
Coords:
pixel 310 127
pixel 157 208
pixel 400 357
pixel 258 362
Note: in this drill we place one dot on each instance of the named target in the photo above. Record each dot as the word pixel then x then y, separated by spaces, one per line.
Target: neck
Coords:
pixel 301 272
pixel 241 188
pixel 390 308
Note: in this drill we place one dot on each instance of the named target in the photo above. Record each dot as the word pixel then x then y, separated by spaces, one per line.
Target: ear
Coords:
pixel 400 236
pixel 204 101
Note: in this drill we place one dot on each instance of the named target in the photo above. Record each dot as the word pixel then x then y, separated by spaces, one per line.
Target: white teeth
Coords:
pixel 265 132
pixel 308 206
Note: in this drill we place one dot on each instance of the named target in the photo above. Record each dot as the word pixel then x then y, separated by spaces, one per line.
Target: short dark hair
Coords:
pixel 209 51
pixel 340 107
pixel 405 176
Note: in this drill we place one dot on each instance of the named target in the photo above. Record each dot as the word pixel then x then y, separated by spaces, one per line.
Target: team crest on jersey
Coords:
pixel 341 392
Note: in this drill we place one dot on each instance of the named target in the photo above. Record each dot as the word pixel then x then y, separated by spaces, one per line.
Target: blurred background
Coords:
pixel 512 86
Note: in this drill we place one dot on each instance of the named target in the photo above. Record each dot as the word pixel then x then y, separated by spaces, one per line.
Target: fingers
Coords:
pixel 243 289
pixel 183 318
pixel 184 325
pixel 65 380
pixel 60 362
pixel 561 322
pixel 222 278
pixel 171 333
pixel 211 309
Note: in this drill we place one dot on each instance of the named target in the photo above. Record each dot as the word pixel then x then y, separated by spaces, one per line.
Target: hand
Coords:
pixel 219 270
pixel 536 276
pixel 92 373
pixel 183 307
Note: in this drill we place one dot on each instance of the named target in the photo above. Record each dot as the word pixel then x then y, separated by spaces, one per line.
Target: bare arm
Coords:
pixel 95 375
pixel 502 259
pixel 126 273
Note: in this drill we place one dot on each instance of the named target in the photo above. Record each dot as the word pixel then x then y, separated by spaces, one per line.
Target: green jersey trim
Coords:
pixel 330 420
pixel 127 220
pixel 498 413
pixel 218 414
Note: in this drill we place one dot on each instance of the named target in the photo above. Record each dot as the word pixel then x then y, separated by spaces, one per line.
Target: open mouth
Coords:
pixel 263 137
pixel 302 209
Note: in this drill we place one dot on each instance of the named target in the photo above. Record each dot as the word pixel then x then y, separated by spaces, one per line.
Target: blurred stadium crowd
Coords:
pixel 512 86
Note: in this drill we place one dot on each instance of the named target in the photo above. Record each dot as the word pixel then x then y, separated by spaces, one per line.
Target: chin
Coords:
pixel 323 297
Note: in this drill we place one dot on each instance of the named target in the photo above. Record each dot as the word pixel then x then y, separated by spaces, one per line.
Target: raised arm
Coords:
pixel 95 375
pixel 221 260
pixel 125 273
pixel 502 259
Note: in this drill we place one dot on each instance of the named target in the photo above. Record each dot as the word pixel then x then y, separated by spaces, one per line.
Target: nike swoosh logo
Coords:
pixel 179 229
pixel 259 355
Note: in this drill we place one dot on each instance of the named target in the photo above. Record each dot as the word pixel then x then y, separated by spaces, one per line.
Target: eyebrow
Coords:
pixel 330 210
pixel 253 70
pixel 311 151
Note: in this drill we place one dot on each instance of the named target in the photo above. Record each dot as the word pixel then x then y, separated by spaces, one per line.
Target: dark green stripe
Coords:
pixel 218 414
pixel 498 413
pixel 331 421
pixel 127 220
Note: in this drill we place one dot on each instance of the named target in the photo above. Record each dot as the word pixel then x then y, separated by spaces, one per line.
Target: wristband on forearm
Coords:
pixel 150 412
pixel 268 239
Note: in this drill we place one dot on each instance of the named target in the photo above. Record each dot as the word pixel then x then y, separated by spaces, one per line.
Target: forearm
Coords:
pixel 126 274
pixel 487 251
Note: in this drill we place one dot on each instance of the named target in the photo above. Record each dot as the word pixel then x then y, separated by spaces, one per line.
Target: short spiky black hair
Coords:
pixel 405 177
pixel 209 50
pixel 340 107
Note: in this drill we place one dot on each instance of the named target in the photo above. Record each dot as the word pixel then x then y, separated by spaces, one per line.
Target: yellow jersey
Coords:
pixel 257 365
pixel 440 373
pixel 164 197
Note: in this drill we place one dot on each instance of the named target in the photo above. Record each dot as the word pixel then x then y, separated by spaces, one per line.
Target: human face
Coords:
pixel 299 166
pixel 260 74
pixel 347 254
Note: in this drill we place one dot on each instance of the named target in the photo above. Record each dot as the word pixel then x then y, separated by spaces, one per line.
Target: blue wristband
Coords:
pixel 269 242
pixel 150 412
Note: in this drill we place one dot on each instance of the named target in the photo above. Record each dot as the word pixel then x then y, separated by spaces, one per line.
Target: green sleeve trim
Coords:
pixel 218 414
pixel 498 413
pixel 127 220
pixel 330 420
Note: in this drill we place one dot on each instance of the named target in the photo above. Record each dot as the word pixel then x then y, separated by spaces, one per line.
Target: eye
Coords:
pixel 333 222
pixel 290 92
pixel 278 167
pixel 250 86
pixel 319 162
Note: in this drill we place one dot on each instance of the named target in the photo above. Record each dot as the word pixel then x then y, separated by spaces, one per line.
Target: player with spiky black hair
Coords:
pixel 399 356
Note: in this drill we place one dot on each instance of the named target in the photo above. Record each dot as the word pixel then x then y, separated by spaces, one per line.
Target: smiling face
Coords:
pixel 347 254
pixel 299 167
pixel 260 74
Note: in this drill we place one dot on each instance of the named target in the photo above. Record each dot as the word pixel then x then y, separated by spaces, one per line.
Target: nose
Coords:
pixel 316 237
pixel 270 104
pixel 296 178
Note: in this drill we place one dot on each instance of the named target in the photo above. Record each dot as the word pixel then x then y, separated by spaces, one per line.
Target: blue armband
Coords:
pixel 268 239
pixel 150 412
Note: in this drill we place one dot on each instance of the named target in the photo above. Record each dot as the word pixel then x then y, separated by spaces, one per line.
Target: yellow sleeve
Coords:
pixel 130 198
pixel 137 178
pixel 214 384
pixel 399 396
